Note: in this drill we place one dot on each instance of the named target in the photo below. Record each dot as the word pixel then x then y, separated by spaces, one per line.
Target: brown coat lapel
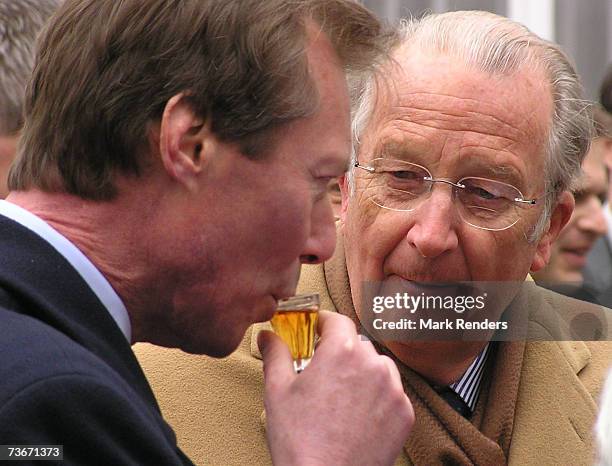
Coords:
pixel 215 406
pixel 538 407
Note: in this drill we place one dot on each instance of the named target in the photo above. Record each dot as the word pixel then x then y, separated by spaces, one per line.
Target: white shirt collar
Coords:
pixel 92 276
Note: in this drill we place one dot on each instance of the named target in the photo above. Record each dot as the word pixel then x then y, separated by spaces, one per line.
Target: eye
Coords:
pixel 487 190
pixel 485 197
pixel 407 175
pixel 603 197
pixel 583 195
pixel 333 186
pixel 411 181
pixel 333 191
pixel 480 192
pixel 579 196
pixel 398 177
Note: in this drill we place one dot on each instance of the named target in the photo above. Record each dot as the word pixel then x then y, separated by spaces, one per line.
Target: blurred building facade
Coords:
pixel 582 27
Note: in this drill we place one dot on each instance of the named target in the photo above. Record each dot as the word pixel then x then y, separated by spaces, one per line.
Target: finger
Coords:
pixel 364 344
pixel 278 363
pixel 397 386
pixel 333 323
pixel 396 379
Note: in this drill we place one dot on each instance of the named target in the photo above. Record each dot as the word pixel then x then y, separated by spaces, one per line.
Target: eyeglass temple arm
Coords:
pixel 364 167
pixel 526 201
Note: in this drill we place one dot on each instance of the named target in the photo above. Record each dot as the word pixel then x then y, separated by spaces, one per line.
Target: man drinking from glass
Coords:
pixel 465 149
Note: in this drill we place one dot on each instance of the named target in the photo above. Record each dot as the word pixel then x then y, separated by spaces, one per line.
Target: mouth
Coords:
pixel 286 293
pixel 576 257
pixel 420 281
pixel 430 275
pixel 274 298
pixel 396 283
pixel 268 308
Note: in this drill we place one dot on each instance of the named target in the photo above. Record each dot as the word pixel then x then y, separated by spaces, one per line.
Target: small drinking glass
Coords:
pixel 295 321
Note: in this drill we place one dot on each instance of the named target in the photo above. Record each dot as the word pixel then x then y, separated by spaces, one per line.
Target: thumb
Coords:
pixel 277 360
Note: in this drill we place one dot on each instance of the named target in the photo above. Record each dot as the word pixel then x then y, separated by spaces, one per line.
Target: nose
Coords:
pixel 593 219
pixel 433 231
pixel 321 242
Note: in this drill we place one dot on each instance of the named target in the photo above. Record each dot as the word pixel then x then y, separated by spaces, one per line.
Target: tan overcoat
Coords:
pixel 543 414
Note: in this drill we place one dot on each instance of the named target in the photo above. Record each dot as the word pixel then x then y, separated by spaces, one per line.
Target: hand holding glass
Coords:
pixel 295 321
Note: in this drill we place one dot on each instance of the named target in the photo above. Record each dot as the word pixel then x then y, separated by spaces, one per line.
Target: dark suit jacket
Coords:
pixel 598 272
pixel 67 374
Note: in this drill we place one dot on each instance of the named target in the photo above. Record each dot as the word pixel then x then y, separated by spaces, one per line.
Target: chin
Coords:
pixel 214 351
pixel 217 346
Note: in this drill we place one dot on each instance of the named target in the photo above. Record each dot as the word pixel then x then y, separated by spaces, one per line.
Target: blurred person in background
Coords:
pixel 605 90
pixel 598 269
pixel 568 259
pixel 20 23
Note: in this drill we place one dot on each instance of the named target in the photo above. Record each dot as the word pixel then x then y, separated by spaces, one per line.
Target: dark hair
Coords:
pixel 605 91
pixel 107 68
pixel 603 122
pixel 20 23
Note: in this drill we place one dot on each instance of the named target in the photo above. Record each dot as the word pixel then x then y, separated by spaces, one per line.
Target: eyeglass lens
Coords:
pixel 483 203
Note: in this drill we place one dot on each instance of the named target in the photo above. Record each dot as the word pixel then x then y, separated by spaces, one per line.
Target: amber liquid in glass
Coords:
pixel 297 329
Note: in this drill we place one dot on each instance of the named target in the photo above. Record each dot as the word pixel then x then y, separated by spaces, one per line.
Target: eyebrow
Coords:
pixel 399 150
pixel 476 167
pixel 330 163
pixel 504 172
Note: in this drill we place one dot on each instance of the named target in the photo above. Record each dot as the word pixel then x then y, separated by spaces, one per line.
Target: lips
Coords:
pixel 276 297
pixel 397 284
pixel 266 312
pixel 430 272
pixel 576 257
pixel 285 293
pixel 425 279
pixel 581 250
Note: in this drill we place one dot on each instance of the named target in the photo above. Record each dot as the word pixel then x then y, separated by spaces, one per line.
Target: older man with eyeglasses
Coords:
pixel 466 146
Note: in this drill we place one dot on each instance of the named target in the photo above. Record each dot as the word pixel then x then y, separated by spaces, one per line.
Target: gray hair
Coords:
pixel 497 45
pixel 20 23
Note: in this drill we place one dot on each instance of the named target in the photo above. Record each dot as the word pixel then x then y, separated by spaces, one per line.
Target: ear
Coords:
pixel 183 138
pixel 345 193
pixel 608 148
pixel 559 218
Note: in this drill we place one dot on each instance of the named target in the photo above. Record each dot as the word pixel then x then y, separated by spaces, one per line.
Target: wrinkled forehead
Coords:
pixel 437 72
pixel 419 92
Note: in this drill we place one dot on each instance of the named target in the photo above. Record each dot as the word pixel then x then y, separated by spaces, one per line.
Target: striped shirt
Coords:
pixel 469 385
